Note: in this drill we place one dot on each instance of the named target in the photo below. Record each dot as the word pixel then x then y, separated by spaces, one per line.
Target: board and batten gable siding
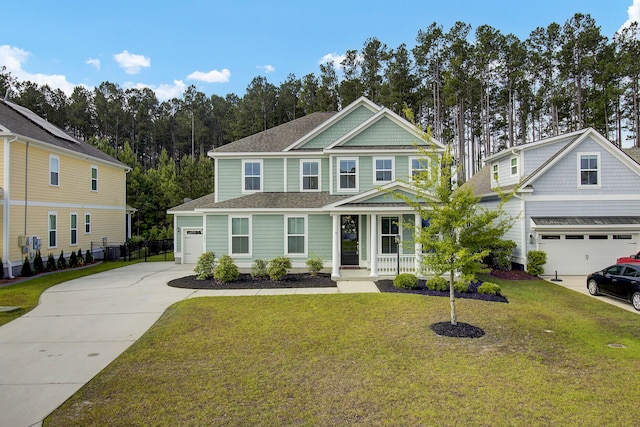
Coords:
pixel 189 221
pixel 562 178
pixel 383 133
pixel 338 129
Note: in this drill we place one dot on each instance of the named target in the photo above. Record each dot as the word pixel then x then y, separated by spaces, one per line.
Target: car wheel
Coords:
pixel 635 300
pixel 593 287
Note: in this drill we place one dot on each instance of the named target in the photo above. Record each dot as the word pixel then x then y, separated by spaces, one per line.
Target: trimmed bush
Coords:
pixel 437 283
pixel 315 264
pixel 461 286
pixel 2 269
pixel 26 268
pixel 205 265
pixel 226 270
pixel 51 263
pixel 80 258
pixel 73 260
pixel 535 261
pixel 406 281
pixel 278 268
pixel 490 288
pixel 38 265
pixel 88 257
pixel 259 269
pixel 62 261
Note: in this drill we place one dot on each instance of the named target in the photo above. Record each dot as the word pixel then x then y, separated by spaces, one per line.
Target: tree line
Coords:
pixel 478 91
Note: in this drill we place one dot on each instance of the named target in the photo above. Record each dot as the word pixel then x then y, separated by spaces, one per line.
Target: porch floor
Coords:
pixel 355 280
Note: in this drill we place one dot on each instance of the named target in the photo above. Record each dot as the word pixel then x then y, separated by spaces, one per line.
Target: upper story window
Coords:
pixel 94 178
pixel 54 170
pixel 418 166
pixel 252 175
pixel 496 170
pixel 383 169
pixel 348 174
pixel 514 166
pixel 589 169
pixel 310 175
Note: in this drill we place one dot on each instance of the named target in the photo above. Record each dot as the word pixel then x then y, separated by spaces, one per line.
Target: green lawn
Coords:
pixel 371 359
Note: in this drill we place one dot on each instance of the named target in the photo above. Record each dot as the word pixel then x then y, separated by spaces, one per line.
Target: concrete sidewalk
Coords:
pixel 81 326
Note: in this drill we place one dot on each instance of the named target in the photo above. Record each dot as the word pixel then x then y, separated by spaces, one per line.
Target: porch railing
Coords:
pixel 388 264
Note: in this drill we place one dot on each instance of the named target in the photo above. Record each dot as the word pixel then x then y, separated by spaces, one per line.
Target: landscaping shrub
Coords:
pixel 62 261
pixel 278 268
pixel 26 268
pixel 490 289
pixel 535 261
pixel 205 265
pixel 51 263
pixel 461 286
pixel 226 271
pixel 437 283
pixel 2 269
pixel 80 258
pixel 259 269
pixel 88 257
pixel 406 281
pixel 501 255
pixel 315 264
pixel 38 265
pixel 73 260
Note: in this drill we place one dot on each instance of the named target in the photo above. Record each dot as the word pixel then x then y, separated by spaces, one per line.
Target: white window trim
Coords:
pixel 421 160
pixel 380 234
pixel 511 166
pixel 51 157
pixel 393 169
pixel 357 161
pixel 599 177
pixel 305 235
pixel 71 214
pixel 495 172
pixel 245 161
pixel 93 167
pixel 250 235
pixel 85 222
pixel 49 229
pixel 302 161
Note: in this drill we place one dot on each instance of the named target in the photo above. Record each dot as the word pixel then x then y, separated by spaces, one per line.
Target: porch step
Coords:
pixel 356 286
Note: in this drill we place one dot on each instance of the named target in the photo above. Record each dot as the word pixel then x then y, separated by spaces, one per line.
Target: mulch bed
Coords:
pixel 513 275
pixel 387 286
pixel 461 330
pixel 245 281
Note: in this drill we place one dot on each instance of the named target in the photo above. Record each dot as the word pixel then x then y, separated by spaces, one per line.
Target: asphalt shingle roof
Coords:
pixel 195 204
pixel 305 200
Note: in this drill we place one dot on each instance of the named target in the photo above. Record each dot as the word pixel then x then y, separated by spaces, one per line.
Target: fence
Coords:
pixel 133 250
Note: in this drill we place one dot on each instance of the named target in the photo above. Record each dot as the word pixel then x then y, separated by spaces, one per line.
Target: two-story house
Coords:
pixel 319 185
pixel 578 200
pixel 56 193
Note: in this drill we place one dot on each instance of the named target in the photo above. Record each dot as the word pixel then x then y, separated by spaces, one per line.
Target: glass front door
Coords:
pixel 349 245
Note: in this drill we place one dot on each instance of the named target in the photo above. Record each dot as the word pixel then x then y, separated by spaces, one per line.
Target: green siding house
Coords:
pixel 319 185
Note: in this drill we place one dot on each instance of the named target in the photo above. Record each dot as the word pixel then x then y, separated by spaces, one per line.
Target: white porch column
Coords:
pixel 335 254
pixel 373 245
pixel 418 246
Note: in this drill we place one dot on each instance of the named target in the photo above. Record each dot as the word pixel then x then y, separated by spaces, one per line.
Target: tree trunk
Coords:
pixel 452 300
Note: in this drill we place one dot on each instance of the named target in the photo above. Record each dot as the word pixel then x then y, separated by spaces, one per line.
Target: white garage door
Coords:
pixel 578 254
pixel 192 246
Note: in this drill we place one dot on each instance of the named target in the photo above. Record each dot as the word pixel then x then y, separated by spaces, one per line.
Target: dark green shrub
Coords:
pixel 259 269
pixel 88 257
pixel 535 261
pixel 62 261
pixel 205 265
pixel 38 265
pixel 80 257
pixel 51 263
pixel 437 283
pixel 26 268
pixel 490 289
pixel 461 286
pixel 315 264
pixel 73 260
pixel 226 270
pixel 406 281
pixel 2 269
pixel 278 268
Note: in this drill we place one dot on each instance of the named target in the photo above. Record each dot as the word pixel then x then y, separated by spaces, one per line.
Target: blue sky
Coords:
pixel 221 46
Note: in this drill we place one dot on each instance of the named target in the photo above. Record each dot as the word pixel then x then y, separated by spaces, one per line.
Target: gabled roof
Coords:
pixel 633 152
pixel 192 205
pixel 20 121
pixel 279 201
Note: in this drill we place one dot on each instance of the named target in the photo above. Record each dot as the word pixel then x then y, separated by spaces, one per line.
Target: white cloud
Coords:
pixel 131 63
pixel 213 76
pixel 94 62
pixel 165 92
pixel 266 68
pixel 333 57
pixel 634 14
pixel 14 58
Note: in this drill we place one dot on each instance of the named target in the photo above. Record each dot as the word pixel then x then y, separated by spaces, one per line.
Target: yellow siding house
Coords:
pixel 56 193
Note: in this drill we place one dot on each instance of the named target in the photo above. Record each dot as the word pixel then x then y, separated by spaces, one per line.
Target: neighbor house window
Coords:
pixel 296 235
pixel 240 235
pixel 310 175
pixel 348 174
pixel 94 178
pixel 589 171
pixel 496 169
pixel 418 166
pixel 73 227
pixel 54 170
pixel 383 170
pixel 514 166
pixel 53 229
pixel 87 223
pixel 388 233
pixel 252 175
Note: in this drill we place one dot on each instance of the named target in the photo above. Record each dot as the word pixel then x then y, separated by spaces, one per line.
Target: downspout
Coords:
pixel 5 207
pixel 26 187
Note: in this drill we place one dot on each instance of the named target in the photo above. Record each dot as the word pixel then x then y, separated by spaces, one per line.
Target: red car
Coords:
pixel 630 258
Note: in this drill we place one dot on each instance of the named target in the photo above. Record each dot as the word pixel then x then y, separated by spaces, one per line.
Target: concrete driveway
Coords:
pixel 579 284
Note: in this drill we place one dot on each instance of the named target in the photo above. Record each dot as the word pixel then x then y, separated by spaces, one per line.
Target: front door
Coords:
pixel 349 254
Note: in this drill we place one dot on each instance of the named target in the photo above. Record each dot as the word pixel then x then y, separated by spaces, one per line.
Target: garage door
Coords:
pixel 192 246
pixel 578 254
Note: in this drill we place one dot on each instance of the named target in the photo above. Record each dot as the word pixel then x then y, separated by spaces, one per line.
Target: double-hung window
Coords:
pixel 310 175
pixel 94 178
pixel 418 166
pixel 514 166
pixel 240 239
pixel 389 234
pixel 87 223
pixel 252 175
pixel 348 174
pixel 496 172
pixel 54 170
pixel 53 229
pixel 296 227
pixel 383 169
pixel 73 228
pixel 589 170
